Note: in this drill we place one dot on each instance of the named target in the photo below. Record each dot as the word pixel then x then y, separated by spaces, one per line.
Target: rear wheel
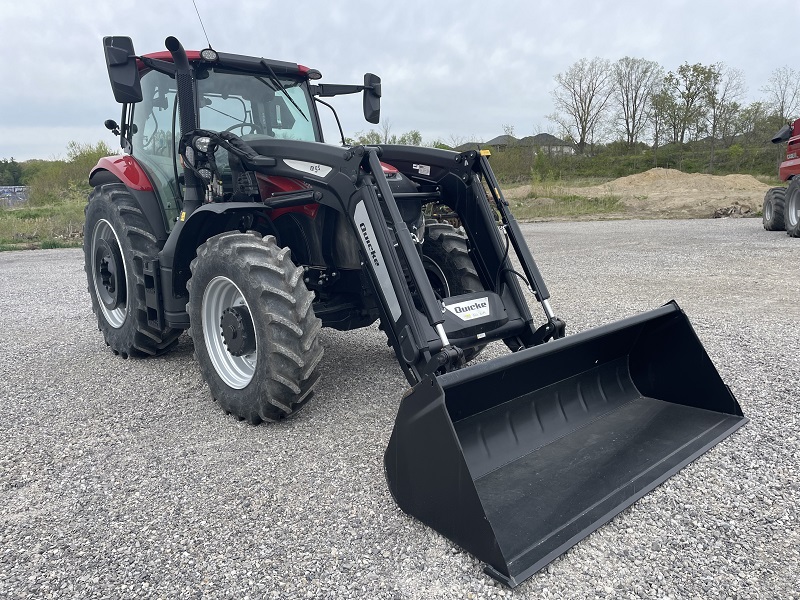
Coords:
pixel 117 241
pixel 445 256
pixel 254 329
pixel 772 214
pixel 792 208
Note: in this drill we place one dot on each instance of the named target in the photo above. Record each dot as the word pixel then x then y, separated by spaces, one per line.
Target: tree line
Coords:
pixel 10 172
pixel 635 101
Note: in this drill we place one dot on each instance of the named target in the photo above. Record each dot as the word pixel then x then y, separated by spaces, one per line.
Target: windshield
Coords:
pixel 255 105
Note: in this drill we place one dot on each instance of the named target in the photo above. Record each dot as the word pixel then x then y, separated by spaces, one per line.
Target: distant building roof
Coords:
pixel 538 140
pixel 546 139
pixel 502 140
pixel 469 146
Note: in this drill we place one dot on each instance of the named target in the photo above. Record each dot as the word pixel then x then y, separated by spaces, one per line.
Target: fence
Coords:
pixel 12 195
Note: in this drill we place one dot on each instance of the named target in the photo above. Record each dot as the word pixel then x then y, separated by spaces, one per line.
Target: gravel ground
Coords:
pixel 122 479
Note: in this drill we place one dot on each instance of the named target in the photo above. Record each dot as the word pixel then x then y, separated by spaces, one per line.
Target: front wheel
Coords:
pixel 772 212
pixel 253 326
pixel 792 208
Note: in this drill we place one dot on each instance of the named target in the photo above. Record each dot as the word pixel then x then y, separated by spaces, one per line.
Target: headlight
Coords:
pixel 206 174
pixel 201 143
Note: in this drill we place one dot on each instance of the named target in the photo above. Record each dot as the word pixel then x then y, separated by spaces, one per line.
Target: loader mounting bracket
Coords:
pixel 554 329
pixel 447 359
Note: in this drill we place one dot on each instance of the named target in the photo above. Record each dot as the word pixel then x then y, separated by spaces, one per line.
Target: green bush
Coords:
pixel 57 181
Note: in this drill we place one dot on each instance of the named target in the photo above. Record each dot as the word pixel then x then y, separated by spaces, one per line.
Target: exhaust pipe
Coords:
pixel 185 82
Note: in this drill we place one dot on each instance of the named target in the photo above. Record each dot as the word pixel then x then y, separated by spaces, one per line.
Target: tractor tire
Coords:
pixel 792 209
pixel 117 240
pixel 256 338
pixel 773 209
pixel 449 267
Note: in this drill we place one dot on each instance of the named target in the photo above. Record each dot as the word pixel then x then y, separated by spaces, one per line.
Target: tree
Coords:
pixel 753 121
pixel 666 116
pixel 687 88
pixel 410 138
pixel 440 144
pixel 373 138
pixel 724 88
pixel 581 96
pixel 386 130
pixel 369 138
pixel 783 92
pixel 10 172
pixel 635 80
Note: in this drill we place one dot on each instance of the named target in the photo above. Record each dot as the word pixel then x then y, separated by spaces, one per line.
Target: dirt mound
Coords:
pixel 659 179
pixel 671 193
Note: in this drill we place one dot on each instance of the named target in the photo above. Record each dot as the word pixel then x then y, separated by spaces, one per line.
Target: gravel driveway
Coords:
pixel 122 479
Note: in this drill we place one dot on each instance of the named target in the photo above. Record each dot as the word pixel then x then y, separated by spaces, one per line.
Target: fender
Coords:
pixel 126 170
pixel 181 247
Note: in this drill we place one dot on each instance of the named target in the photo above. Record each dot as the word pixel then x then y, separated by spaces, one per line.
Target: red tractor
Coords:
pixel 781 209
pixel 228 216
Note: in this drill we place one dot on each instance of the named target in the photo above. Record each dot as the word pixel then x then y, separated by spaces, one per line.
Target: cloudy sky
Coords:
pixel 452 70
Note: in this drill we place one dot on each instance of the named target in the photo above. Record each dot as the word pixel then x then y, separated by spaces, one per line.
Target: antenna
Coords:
pixel 201 23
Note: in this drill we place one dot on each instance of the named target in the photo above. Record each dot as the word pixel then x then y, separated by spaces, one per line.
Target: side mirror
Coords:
pixel 122 70
pixel 372 98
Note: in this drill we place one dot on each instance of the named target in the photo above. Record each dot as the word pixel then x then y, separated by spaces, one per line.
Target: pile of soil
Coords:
pixel 669 193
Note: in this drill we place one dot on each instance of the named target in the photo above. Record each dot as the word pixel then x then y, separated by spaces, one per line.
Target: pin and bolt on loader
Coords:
pixel 228 216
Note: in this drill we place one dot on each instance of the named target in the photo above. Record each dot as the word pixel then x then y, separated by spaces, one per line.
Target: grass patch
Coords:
pixel 771 180
pixel 555 184
pixel 51 244
pixel 549 200
pixel 55 225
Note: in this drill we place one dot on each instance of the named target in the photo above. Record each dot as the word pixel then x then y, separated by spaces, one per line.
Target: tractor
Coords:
pixel 781 208
pixel 228 216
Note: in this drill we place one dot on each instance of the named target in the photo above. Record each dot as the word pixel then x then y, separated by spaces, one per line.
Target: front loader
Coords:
pixel 228 216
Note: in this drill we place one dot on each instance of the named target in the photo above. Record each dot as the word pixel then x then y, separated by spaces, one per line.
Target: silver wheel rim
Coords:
pixel 768 210
pixel 236 371
pixel 792 210
pixel 116 316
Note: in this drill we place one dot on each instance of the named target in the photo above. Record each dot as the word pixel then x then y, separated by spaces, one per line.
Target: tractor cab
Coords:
pixel 254 98
pixel 252 105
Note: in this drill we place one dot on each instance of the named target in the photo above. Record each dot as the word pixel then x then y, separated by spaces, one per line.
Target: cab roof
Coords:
pixel 238 62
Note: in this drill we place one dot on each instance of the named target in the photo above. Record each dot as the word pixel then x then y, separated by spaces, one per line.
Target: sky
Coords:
pixel 454 71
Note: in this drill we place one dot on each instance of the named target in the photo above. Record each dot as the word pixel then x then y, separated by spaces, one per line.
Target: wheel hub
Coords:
pixel 793 210
pixel 238 333
pixel 109 273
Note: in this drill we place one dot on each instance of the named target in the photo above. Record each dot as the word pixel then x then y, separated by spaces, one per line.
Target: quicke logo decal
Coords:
pixel 470 309
pixel 372 253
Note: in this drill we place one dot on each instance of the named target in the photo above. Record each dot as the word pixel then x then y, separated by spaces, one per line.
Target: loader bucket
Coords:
pixel 519 458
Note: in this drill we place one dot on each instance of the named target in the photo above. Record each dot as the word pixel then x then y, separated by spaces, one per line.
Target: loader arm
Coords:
pixel 430 335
